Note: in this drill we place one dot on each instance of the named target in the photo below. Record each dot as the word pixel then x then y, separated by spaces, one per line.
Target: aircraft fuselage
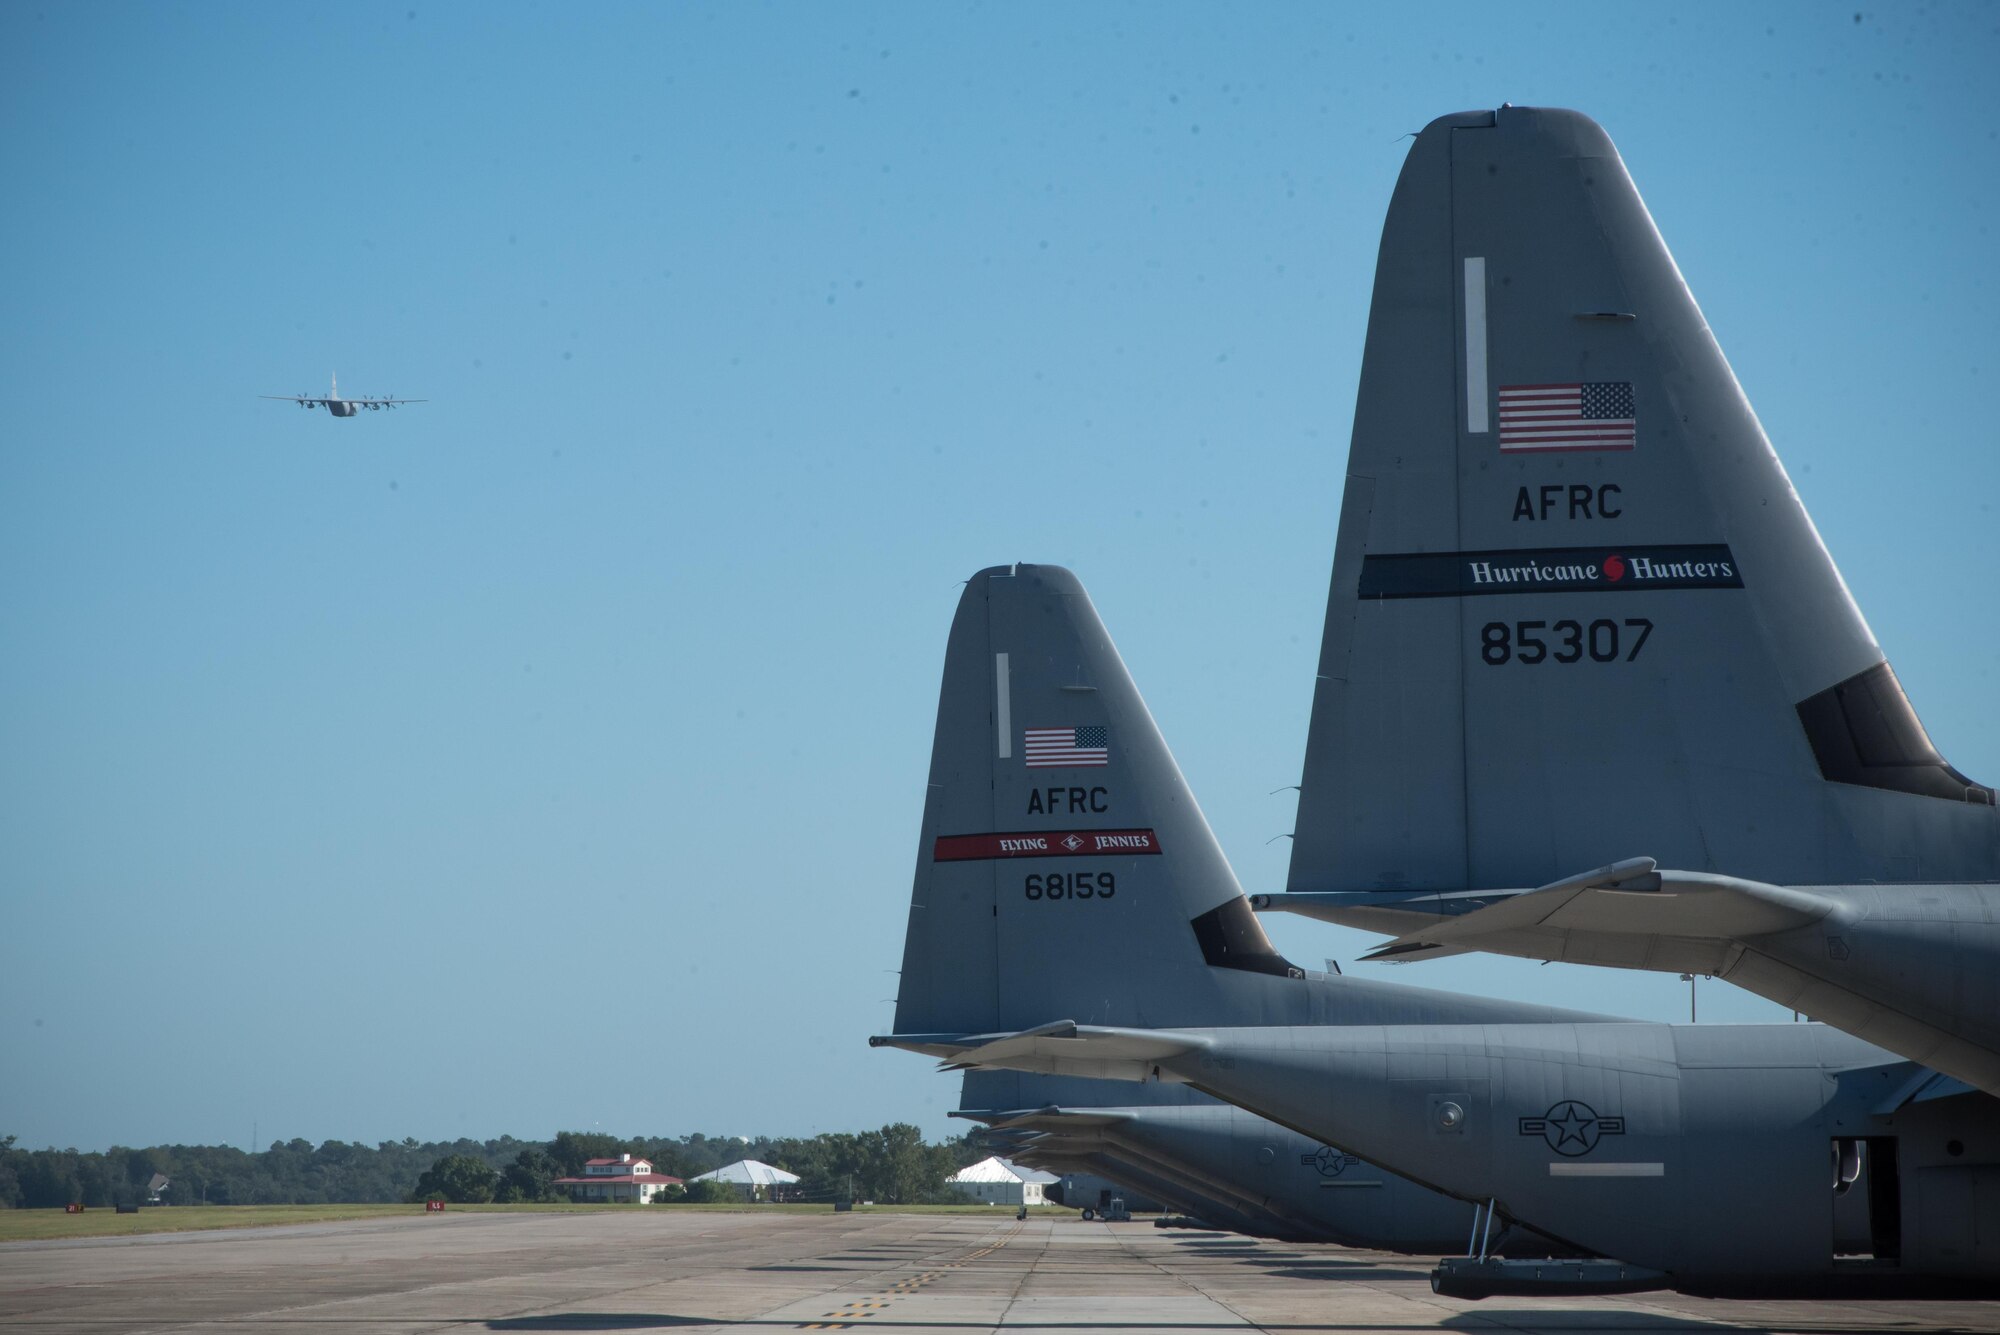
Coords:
pixel 1680 1126
pixel 1652 1144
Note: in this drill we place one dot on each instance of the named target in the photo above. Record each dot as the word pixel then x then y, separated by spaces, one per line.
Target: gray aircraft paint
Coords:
pixel 1207 1152
pixel 1263 1169
pixel 1194 1192
pixel 338 406
pixel 1174 944
pixel 1912 968
pixel 1701 1152
pixel 990 1097
pixel 1141 1185
pixel 1081 1185
pixel 1257 1166
pixel 987 949
pixel 1741 1120
pixel 1515 688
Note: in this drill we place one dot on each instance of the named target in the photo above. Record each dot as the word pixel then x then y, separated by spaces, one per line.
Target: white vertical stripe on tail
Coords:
pixel 1003 720
pixel 1475 345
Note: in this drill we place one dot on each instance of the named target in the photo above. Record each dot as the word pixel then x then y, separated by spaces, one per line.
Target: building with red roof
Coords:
pixel 620 1179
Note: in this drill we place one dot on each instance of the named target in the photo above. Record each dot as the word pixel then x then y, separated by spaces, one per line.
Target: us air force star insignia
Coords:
pixel 1572 1128
pixel 1330 1161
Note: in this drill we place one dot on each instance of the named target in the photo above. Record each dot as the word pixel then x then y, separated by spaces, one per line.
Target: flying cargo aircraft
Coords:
pixel 1583 636
pixel 338 406
pixel 1076 881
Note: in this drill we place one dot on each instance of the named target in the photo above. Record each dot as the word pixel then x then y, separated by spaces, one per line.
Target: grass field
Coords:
pixel 36 1225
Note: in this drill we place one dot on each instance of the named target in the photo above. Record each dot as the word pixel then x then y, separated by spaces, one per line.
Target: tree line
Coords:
pixel 893 1165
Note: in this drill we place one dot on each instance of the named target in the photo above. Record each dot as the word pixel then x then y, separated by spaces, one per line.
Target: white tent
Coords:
pixel 750 1173
pixel 998 1182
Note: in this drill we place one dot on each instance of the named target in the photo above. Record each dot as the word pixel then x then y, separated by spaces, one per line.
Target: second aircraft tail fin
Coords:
pixel 1064 869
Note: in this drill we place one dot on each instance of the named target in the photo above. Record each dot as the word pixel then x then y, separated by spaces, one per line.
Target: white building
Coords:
pixel 620 1179
pixel 996 1182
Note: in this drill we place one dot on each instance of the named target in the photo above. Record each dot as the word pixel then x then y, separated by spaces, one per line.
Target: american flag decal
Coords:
pixel 1066 748
pixel 1555 418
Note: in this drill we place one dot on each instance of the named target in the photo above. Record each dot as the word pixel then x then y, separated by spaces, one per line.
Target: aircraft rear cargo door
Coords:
pixel 1954 1223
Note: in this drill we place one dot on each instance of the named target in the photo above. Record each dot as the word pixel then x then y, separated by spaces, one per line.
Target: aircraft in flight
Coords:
pixel 1583 636
pixel 338 406
pixel 1077 884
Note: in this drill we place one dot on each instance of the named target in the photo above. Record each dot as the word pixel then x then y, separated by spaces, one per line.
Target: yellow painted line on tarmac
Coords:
pixel 859 1308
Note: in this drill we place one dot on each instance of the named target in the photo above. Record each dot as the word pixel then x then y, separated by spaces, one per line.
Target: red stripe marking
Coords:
pixel 1044 844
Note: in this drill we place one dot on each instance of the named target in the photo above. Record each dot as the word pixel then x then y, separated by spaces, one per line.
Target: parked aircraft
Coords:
pixel 1098 827
pixel 1224 1163
pixel 1077 885
pixel 338 406
pixel 1080 1157
pixel 1582 635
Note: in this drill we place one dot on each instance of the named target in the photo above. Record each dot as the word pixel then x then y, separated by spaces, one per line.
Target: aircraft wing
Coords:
pixel 328 403
pixel 1610 915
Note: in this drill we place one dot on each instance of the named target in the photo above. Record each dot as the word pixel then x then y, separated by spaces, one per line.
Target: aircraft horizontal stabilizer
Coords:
pixel 1063 1119
pixel 1626 899
pixel 931 1045
pixel 1063 1047
pixel 1392 912
pixel 1405 912
pixel 1398 952
pixel 1000 1120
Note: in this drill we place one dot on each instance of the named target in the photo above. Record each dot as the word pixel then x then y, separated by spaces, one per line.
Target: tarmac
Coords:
pixel 657 1268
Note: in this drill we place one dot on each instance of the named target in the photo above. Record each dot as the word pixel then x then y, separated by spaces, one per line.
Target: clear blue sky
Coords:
pixel 552 754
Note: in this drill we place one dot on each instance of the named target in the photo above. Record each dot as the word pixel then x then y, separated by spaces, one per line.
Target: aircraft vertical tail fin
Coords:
pixel 1064 869
pixel 1578 612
